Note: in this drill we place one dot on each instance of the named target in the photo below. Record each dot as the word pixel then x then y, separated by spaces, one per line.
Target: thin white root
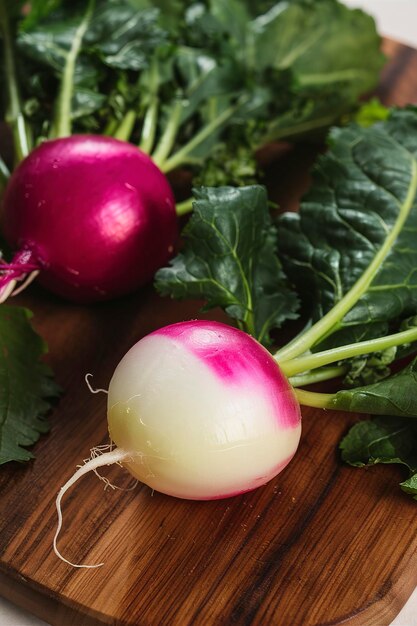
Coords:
pixel 7 291
pixel 99 451
pixel 30 278
pixel 107 458
pixel 87 382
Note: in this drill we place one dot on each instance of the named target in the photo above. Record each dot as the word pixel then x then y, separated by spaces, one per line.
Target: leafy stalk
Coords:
pixel 292 130
pixel 317 376
pixel 314 399
pixel 4 173
pixel 150 120
pixel 295 366
pixel 169 136
pixel 125 128
pixel 184 207
pixel 63 117
pixel 182 156
pixel 15 115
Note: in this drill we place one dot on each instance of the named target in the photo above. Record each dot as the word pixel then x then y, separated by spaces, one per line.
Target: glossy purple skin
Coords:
pixel 98 214
pixel 238 359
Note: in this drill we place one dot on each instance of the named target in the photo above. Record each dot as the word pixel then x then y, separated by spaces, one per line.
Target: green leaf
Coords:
pixel 229 260
pixel 26 385
pixel 171 11
pixel 124 38
pixel 121 36
pixel 48 44
pixel 228 166
pixel 371 112
pixel 359 216
pixel 395 395
pixel 384 440
pixel 36 11
pixel 304 38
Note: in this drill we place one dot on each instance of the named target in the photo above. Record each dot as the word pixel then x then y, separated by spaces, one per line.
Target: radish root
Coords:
pixel 99 451
pixel 91 389
pixel 22 269
pixel 29 279
pixel 107 458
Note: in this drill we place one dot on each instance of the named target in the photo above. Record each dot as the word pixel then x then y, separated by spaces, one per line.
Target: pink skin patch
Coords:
pixel 237 359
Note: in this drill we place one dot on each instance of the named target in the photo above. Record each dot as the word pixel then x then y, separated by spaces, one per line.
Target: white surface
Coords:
pixel 396 19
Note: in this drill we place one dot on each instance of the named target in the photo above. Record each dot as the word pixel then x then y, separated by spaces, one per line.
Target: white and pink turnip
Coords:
pixel 199 410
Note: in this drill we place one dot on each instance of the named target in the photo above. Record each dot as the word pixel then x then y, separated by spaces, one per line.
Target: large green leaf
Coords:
pixel 230 261
pixel 360 215
pixel 26 384
pixel 395 395
pixel 122 36
pixel 384 440
pixel 304 38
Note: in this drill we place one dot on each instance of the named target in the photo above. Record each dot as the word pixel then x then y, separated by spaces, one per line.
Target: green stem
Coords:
pixel 110 127
pixel 333 317
pixel 181 157
pixel 149 127
pixel 15 115
pixel 4 173
pixel 150 120
pixel 169 136
pixel 184 207
pixel 63 117
pixel 317 376
pixel 319 359
pixel 287 132
pixel 312 398
pixel 125 128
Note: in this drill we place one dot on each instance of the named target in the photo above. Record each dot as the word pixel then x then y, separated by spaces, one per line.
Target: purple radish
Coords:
pixel 94 216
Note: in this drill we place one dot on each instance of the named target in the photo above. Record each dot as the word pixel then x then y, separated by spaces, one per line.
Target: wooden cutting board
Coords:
pixel 321 544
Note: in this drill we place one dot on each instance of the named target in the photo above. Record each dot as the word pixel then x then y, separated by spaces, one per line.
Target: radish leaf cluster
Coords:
pixel 186 80
pixel 349 254
pixel 229 259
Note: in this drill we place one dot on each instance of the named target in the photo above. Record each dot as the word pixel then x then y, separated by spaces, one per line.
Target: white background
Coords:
pixel 396 19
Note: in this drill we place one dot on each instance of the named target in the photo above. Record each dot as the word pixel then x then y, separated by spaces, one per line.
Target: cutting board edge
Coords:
pixel 380 611
pixel 51 610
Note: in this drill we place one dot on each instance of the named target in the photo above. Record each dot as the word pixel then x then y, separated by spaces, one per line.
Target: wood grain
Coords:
pixel 322 544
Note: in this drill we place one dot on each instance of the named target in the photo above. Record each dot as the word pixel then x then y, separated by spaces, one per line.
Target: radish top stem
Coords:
pixel 314 399
pixel 150 120
pixel 4 173
pixel 62 124
pixel 15 115
pixel 312 361
pixel 184 207
pixel 125 128
pixel 169 136
pixel 181 157
pixel 317 376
